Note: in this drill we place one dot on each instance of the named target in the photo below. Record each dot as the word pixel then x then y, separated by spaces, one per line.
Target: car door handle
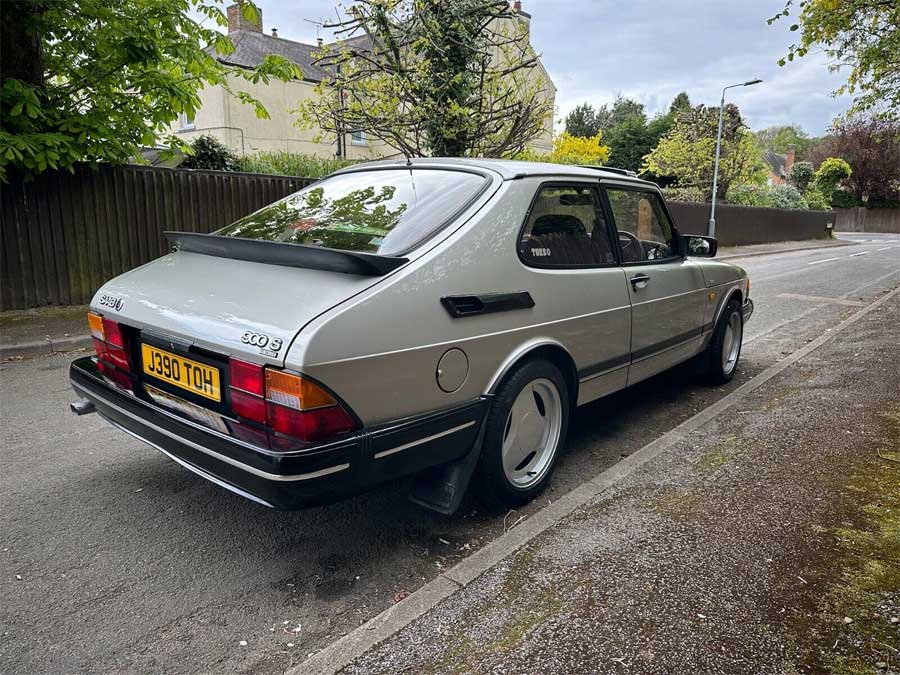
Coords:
pixel 639 281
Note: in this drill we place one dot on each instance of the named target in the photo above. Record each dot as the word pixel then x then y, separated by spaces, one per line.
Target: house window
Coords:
pixel 185 121
pixel 358 138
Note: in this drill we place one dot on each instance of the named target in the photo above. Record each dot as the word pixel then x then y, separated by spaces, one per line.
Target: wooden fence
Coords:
pixel 64 235
pixel 862 219
pixel 744 225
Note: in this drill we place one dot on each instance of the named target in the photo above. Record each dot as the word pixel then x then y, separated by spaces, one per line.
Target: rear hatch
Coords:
pixel 233 307
pixel 244 292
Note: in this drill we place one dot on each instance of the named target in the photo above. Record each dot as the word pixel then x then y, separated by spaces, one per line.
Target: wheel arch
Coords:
pixel 546 348
pixel 734 293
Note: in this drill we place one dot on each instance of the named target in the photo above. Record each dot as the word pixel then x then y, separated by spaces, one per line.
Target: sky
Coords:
pixel 650 50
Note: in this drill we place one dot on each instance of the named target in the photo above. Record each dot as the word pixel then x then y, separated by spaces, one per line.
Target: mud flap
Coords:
pixel 442 488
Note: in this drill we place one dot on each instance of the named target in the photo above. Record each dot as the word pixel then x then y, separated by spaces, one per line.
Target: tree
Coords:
pixel 780 138
pixel 92 80
pixel 871 146
pixel 622 109
pixel 681 103
pixel 582 121
pixel 207 152
pixel 451 78
pixel 831 174
pixel 860 35
pixel 802 175
pixel 568 149
pixel 630 140
pixel 687 152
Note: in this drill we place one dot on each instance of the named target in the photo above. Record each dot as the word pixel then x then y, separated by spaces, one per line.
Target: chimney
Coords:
pixel 274 32
pixel 789 159
pixel 236 20
pixel 524 17
pixel 319 41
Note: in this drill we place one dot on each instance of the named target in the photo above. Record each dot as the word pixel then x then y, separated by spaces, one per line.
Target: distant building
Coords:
pixel 237 126
pixel 779 166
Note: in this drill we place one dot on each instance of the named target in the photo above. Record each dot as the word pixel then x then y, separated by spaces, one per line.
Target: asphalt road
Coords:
pixel 115 560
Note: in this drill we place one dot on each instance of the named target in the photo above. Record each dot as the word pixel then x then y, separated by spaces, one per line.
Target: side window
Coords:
pixel 566 228
pixel 645 232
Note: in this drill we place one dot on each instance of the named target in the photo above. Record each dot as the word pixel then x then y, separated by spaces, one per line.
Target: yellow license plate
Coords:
pixel 191 376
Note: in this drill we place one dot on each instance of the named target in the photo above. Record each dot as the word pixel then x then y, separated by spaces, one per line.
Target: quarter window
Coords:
pixel 566 228
pixel 645 232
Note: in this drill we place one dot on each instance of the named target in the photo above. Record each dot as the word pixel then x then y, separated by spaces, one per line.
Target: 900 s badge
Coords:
pixel 268 346
pixel 111 301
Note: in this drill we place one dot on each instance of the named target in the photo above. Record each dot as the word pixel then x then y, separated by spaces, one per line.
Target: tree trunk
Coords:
pixel 21 51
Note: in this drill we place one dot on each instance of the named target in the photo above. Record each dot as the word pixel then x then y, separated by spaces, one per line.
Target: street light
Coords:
pixel 712 208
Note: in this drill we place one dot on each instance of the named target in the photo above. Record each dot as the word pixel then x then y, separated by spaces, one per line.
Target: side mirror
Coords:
pixel 700 247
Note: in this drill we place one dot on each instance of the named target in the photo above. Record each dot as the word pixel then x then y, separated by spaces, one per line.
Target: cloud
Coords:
pixel 650 50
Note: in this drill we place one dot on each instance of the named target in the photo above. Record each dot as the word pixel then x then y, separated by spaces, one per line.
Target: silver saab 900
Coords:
pixel 434 317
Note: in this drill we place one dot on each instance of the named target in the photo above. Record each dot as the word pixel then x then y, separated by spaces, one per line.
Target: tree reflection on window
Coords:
pixel 384 211
pixel 350 222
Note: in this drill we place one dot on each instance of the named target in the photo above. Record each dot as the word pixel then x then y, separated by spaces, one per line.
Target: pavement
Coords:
pixel 713 557
pixel 115 560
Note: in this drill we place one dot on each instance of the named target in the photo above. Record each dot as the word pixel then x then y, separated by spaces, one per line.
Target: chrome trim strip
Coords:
pixel 188 466
pixel 412 444
pixel 212 453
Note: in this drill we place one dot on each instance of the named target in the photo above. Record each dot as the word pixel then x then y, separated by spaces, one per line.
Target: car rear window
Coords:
pixel 385 211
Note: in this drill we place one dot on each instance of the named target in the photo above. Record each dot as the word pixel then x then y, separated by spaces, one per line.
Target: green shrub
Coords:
pixel 684 194
pixel 776 196
pixel 787 197
pixel 749 195
pixel 841 199
pixel 285 163
pixel 209 153
pixel 816 200
pixel 802 175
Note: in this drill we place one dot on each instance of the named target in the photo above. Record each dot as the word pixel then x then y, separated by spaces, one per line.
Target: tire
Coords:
pixel 523 434
pixel 719 361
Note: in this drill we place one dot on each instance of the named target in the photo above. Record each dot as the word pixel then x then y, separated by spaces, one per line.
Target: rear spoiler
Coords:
pixel 284 253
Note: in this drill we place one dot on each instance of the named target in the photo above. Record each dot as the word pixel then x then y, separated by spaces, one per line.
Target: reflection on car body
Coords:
pixel 439 318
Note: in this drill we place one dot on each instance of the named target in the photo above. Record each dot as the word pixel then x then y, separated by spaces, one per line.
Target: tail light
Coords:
pixel 109 342
pixel 286 403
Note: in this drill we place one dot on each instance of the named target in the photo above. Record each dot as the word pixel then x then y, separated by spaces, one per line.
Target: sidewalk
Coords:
pixel 45 330
pixel 33 332
pixel 766 540
pixel 726 252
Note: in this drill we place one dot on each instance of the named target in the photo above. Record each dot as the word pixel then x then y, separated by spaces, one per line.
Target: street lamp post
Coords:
pixel 712 208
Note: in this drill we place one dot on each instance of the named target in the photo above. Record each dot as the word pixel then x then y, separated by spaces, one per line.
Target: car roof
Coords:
pixel 509 169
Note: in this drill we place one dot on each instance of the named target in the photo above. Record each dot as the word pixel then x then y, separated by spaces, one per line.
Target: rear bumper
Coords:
pixel 287 480
pixel 747 310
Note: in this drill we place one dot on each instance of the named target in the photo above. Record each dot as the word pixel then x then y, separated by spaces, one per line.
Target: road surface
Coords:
pixel 116 560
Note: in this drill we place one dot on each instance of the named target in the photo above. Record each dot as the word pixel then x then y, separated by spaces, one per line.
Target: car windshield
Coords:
pixel 383 211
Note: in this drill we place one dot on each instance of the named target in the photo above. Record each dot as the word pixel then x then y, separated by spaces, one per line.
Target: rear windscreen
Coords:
pixel 386 211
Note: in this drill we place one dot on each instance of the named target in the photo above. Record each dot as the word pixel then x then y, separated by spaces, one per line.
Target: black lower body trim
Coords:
pixel 663 345
pixel 289 480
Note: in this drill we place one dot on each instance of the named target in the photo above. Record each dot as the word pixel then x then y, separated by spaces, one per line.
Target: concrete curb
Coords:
pixel 787 250
pixel 339 654
pixel 45 347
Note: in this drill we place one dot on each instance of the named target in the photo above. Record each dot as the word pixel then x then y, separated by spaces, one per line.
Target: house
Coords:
pixel 779 166
pixel 236 125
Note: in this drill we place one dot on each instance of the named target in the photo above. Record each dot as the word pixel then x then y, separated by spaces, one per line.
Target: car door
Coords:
pixel 667 291
pixel 569 245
